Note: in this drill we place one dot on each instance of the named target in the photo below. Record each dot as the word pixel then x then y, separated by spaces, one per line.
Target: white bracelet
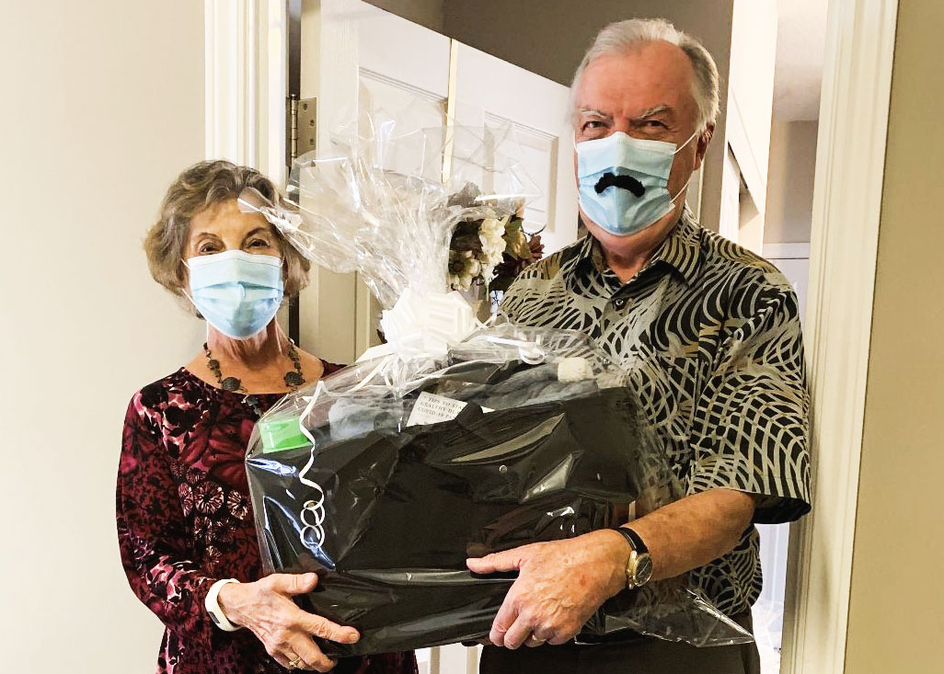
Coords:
pixel 213 606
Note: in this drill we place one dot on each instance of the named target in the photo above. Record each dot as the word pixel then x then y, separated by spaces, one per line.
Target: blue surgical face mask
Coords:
pixel 236 292
pixel 623 181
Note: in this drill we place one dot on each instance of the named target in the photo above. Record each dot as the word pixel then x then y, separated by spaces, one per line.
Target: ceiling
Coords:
pixel 801 45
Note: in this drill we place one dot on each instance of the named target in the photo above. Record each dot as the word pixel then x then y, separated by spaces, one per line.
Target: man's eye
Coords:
pixel 593 124
pixel 258 243
pixel 656 124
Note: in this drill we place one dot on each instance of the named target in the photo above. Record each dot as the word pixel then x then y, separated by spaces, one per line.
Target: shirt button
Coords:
pixel 619 303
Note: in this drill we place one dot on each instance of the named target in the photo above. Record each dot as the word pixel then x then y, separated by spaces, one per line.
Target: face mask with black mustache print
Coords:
pixel 623 181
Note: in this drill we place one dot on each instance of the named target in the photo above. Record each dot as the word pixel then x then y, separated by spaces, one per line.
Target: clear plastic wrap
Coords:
pixel 455 439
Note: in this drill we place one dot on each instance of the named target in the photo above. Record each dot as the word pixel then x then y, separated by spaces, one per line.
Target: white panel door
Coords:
pixel 367 63
pixel 403 74
pixel 493 93
pixel 363 60
pixel 371 63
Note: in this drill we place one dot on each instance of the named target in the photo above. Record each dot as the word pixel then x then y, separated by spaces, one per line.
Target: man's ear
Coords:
pixel 704 140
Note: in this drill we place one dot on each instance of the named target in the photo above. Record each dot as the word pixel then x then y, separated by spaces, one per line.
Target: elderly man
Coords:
pixel 711 334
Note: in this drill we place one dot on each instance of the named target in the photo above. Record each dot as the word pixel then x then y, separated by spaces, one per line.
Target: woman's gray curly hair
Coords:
pixel 199 187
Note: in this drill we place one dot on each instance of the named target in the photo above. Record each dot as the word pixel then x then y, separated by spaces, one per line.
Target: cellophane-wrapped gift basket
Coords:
pixel 455 438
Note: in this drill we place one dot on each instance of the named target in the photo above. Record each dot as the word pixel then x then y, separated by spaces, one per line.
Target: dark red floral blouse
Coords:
pixel 185 520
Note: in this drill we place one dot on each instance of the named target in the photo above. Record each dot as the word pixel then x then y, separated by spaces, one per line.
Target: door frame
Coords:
pixel 246 83
pixel 846 211
pixel 847 200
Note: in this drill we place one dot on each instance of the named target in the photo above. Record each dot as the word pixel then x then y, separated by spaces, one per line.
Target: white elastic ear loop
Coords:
pixel 684 187
pixel 190 297
pixel 184 291
pixel 682 146
pixel 687 182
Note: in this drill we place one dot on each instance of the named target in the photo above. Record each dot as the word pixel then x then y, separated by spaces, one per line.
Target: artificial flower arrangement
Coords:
pixel 489 251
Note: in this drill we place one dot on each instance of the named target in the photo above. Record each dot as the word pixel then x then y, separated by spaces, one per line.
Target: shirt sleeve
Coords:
pixel 752 420
pixel 152 536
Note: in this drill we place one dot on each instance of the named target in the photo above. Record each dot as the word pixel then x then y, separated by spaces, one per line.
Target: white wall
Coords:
pixel 790 182
pixel 895 616
pixel 751 90
pixel 746 135
pixel 102 107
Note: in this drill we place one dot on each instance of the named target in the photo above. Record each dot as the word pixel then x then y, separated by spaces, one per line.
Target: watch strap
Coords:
pixel 212 606
pixel 639 564
pixel 634 540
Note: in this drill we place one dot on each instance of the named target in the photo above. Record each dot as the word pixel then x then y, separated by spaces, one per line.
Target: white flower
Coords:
pixel 460 282
pixel 463 270
pixel 474 268
pixel 492 236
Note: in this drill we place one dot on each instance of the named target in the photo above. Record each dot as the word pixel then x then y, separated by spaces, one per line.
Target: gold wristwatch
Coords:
pixel 639 564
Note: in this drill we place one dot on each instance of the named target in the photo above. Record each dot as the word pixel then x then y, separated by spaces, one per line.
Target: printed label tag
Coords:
pixel 431 409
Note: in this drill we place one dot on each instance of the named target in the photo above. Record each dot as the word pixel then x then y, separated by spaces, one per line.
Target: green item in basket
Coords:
pixel 281 434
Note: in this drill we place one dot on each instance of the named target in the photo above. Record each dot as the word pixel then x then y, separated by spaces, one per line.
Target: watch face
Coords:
pixel 643 570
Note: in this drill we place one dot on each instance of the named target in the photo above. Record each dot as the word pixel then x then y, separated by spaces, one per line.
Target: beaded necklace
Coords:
pixel 293 378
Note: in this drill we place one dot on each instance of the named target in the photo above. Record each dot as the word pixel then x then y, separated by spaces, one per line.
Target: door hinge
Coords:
pixel 292 110
pixel 306 129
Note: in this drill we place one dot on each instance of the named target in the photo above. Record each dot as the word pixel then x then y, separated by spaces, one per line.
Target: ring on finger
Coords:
pixel 535 641
pixel 295 662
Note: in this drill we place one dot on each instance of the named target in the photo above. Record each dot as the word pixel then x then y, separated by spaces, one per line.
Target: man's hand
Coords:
pixel 560 584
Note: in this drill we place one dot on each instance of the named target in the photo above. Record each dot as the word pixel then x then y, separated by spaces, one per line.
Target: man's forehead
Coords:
pixel 638 82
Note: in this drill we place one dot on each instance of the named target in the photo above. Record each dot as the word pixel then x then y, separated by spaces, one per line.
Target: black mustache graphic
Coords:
pixel 626 182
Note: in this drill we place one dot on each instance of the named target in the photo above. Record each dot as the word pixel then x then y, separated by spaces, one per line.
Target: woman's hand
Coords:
pixel 265 607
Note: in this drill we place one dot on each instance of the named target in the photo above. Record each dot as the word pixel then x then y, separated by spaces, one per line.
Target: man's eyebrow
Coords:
pixel 652 112
pixel 595 113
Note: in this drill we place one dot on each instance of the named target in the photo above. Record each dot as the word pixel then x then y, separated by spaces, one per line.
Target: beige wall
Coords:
pixel 102 106
pixel 549 37
pixel 790 182
pixel 897 602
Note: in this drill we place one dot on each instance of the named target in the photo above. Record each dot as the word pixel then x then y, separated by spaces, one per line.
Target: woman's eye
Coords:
pixel 206 249
pixel 258 243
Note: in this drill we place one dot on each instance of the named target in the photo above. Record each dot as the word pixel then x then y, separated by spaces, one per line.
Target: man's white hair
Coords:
pixel 626 36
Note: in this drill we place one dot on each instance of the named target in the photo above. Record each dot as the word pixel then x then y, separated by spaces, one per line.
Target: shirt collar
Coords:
pixel 680 250
pixel 582 256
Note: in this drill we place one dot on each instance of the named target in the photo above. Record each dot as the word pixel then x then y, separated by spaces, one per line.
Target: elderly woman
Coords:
pixel 185 527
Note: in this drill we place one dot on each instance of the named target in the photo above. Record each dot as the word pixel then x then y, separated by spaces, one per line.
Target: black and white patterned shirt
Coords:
pixel 711 335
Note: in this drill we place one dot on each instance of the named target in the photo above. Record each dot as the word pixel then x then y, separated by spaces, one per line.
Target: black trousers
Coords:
pixel 644 655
